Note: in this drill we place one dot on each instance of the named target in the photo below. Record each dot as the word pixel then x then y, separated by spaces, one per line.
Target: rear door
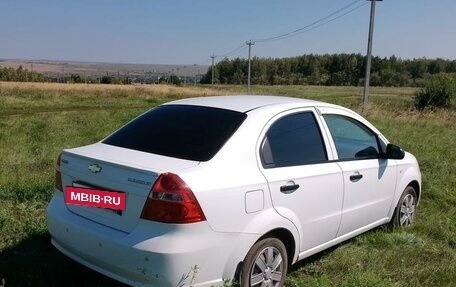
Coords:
pixel 305 186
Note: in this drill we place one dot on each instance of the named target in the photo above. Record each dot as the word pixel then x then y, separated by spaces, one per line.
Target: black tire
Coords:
pixel 258 268
pixel 405 212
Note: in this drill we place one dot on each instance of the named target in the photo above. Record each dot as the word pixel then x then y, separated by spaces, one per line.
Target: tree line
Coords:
pixel 21 75
pixel 330 70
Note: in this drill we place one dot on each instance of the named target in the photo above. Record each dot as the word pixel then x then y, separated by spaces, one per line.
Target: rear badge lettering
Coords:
pixel 95 198
pixel 139 181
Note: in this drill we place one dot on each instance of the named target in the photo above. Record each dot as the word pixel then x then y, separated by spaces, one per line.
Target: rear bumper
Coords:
pixel 153 254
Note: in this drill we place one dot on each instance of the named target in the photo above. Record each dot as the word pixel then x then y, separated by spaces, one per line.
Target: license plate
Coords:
pixel 100 198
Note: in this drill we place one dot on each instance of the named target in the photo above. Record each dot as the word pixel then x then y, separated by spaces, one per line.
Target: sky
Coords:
pixel 190 31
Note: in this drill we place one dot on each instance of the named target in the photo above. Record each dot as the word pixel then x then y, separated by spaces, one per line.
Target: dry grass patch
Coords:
pixel 155 89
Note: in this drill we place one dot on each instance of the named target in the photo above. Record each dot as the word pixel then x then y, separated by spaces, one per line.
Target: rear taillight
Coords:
pixel 58 175
pixel 172 201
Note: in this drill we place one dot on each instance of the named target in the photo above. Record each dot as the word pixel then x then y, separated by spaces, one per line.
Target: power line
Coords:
pixel 313 25
pixel 238 49
pixel 236 53
pixel 301 30
pixel 329 21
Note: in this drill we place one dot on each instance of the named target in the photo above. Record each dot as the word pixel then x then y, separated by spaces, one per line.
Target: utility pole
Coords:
pixel 369 54
pixel 250 43
pixel 194 66
pixel 213 69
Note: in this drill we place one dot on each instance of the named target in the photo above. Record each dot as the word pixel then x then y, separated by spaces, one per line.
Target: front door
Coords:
pixel 369 179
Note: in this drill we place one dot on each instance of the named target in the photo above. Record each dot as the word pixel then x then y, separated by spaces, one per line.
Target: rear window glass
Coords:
pixel 182 131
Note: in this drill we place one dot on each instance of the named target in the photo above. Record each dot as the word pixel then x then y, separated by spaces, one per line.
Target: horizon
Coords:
pixel 186 64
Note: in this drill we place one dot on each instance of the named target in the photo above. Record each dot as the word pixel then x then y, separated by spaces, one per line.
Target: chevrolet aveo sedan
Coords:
pixel 204 190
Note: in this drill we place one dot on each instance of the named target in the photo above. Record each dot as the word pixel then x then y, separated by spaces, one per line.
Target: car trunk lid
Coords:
pixel 105 167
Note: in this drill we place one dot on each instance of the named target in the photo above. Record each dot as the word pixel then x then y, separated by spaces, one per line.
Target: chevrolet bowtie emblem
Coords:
pixel 95 168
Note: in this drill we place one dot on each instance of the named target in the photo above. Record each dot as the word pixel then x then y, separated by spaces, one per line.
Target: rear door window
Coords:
pixel 181 131
pixel 293 140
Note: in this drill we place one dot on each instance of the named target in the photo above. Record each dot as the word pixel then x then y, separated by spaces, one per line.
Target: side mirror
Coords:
pixel 394 152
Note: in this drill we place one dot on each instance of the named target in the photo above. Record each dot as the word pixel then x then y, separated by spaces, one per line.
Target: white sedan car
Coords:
pixel 204 190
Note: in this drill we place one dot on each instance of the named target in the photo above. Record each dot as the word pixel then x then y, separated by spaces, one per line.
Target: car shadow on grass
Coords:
pixel 35 262
pixel 305 264
pixel 314 258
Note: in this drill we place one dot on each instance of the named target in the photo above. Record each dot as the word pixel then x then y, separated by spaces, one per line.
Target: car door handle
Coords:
pixel 356 177
pixel 289 188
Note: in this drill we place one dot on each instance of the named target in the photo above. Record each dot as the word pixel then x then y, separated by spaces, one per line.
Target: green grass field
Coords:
pixel 37 121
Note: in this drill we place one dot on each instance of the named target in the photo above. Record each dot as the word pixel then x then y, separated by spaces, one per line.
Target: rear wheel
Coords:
pixel 405 212
pixel 265 264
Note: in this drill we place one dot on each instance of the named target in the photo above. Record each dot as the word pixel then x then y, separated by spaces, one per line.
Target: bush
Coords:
pixel 437 91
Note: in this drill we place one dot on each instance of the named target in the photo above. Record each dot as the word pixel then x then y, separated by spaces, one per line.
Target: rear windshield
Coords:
pixel 182 131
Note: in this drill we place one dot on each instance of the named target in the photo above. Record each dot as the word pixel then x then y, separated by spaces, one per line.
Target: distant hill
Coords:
pixel 56 69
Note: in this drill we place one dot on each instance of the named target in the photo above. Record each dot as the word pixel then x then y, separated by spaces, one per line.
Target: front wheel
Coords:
pixel 265 264
pixel 405 212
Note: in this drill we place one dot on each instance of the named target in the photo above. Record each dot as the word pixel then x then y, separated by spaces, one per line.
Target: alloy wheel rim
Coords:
pixel 407 211
pixel 267 268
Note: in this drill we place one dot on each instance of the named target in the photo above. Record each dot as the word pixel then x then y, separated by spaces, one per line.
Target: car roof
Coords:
pixel 245 103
